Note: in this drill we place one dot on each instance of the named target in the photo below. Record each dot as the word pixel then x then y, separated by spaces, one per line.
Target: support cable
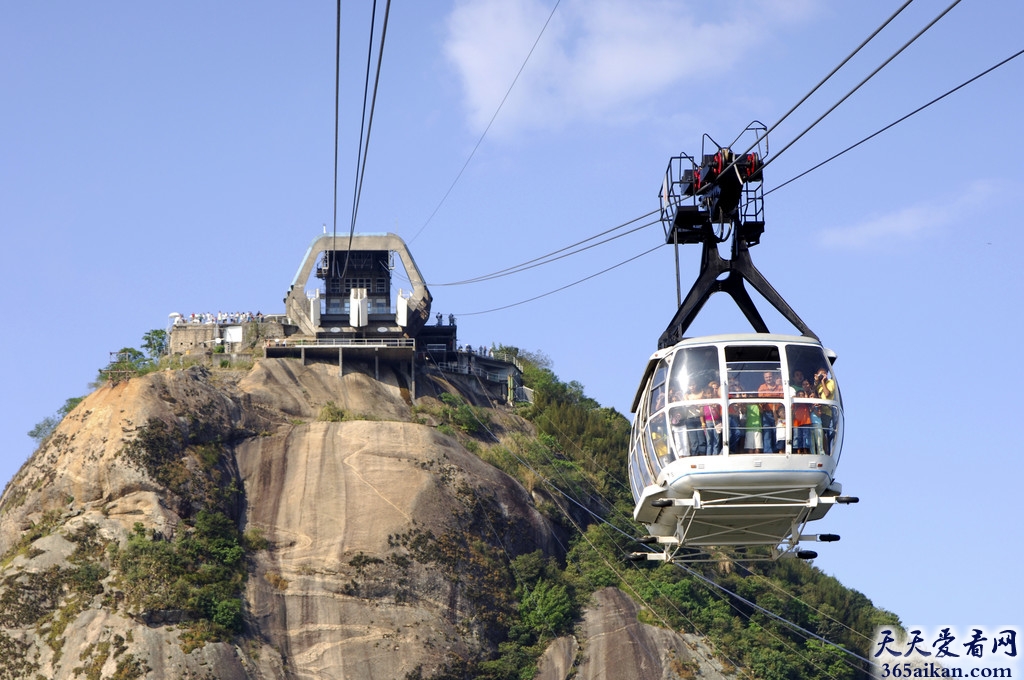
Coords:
pixel 489 123
pixel 564 512
pixel 832 72
pixel 814 609
pixel 771 614
pixel 558 290
pixel 550 257
pixel 369 128
pixel 897 121
pixel 373 105
pixel 337 94
pixel 362 117
pixel 861 83
pixel 544 259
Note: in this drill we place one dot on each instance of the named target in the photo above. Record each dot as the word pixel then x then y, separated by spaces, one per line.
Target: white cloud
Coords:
pixel 913 222
pixel 598 58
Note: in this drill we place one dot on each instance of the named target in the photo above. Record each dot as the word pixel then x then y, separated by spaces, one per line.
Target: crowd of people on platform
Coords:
pixel 480 350
pixel 219 318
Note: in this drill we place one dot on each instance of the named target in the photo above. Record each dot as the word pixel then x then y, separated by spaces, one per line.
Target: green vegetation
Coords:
pixel 458 414
pixel 458 419
pixel 518 600
pixel 331 413
pixel 198 576
pixel 189 461
pixel 580 449
pixel 155 342
pixel 45 427
pixel 50 599
pixel 128 363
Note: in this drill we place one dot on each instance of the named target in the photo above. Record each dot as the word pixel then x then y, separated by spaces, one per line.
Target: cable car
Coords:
pixel 736 437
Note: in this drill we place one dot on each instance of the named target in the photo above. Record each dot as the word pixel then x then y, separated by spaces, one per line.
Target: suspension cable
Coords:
pixel 489 123
pixel 364 151
pixel 558 290
pixel 373 105
pixel 862 82
pixel 362 117
pixel 897 121
pixel 550 257
pixel 337 95
pixel 771 614
pixel 832 72
pixel 814 609
pixel 586 539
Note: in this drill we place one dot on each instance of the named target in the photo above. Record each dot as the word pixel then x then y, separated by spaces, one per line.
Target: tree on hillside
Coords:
pixel 155 343
pixel 45 427
pixel 127 363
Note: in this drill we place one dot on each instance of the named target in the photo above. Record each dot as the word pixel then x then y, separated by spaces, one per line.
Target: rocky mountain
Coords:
pixel 288 521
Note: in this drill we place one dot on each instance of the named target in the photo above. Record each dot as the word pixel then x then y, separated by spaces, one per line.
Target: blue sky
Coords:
pixel 179 158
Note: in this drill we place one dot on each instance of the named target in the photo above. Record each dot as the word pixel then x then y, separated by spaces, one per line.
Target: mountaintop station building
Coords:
pixel 339 306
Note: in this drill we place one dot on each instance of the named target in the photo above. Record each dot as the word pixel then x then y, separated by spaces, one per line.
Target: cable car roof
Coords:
pixel 723 338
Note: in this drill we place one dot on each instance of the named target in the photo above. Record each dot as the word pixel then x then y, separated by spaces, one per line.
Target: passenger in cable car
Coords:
pixel 659 441
pixel 771 388
pixel 713 418
pixel 736 416
pixel 696 436
pixel 780 428
pixel 817 431
pixel 826 386
pixel 796 381
pixel 801 425
pixel 659 399
pixel 678 423
pixel 754 440
pixel 808 389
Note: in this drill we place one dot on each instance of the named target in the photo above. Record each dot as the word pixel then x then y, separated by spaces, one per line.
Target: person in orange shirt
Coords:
pixel 801 425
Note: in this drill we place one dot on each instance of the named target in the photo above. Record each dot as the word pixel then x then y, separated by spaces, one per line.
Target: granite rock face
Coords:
pixel 375 536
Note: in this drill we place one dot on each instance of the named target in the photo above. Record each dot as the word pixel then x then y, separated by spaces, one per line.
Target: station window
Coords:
pixel 356 282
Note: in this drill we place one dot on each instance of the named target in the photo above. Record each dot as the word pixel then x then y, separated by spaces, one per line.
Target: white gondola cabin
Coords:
pixel 735 438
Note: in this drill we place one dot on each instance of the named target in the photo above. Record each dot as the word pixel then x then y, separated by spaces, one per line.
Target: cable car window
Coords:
pixel 644 455
pixel 747 365
pixel 834 432
pixel 755 372
pixel 638 475
pixel 658 387
pixel 810 371
pixel 832 428
pixel 693 368
pixel 659 440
